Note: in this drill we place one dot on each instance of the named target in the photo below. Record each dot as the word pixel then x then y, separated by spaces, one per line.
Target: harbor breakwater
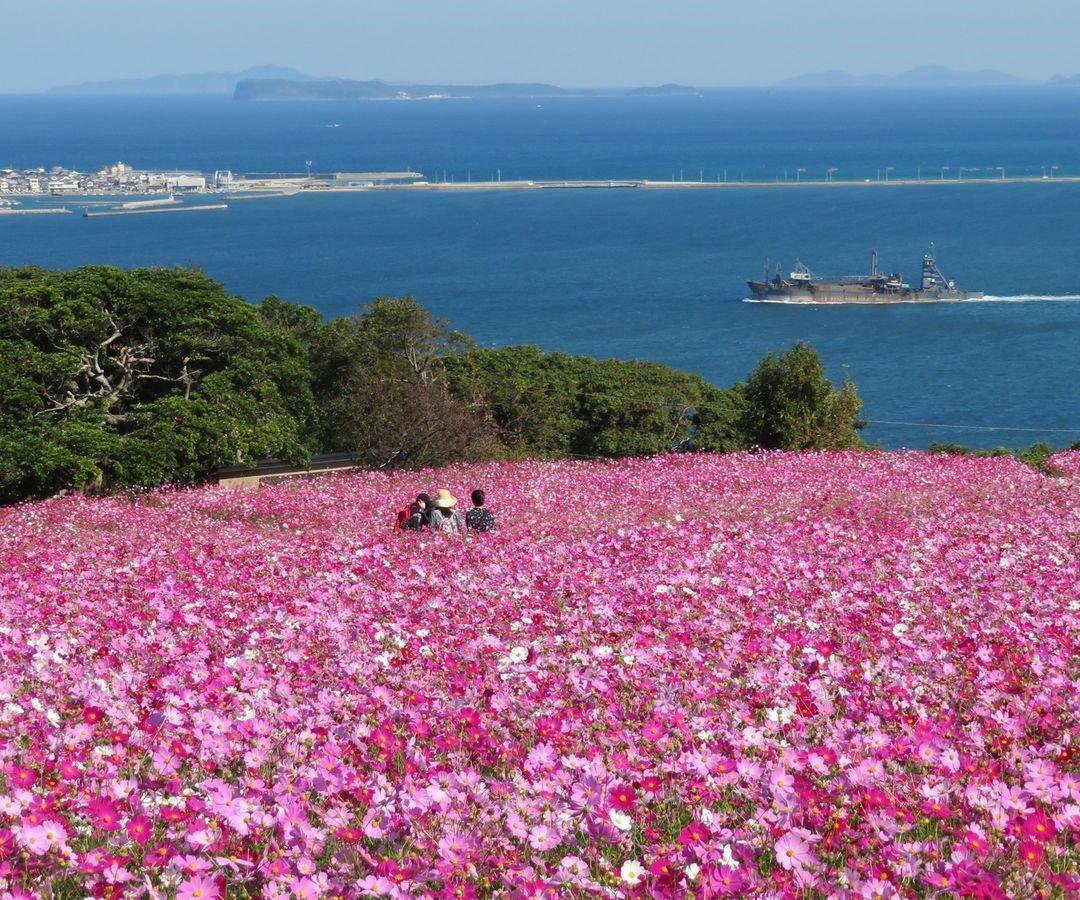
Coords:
pixel 286 187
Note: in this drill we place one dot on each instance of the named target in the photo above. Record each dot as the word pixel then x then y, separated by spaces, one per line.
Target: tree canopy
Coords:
pixel 111 377
pixel 789 404
pixel 551 404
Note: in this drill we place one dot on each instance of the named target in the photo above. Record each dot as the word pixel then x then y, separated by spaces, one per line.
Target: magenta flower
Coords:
pixel 104 814
pixel 694 833
pixel 22 777
pixel 622 797
pixel 1038 826
pixel 140 829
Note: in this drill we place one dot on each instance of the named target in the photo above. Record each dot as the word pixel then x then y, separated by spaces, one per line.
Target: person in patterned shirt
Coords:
pixel 479 518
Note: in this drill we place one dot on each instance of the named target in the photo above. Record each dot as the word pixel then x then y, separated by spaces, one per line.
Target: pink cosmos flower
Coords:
pixel 723 881
pixel 654 731
pixel 304 888
pixel 877 889
pixel 55 833
pixel 792 852
pixel 544 837
pixel 198 887
pixel 36 840
pixel 457 848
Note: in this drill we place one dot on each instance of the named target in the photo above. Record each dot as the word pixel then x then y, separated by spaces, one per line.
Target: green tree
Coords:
pixel 1037 455
pixel 380 385
pixel 551 404
pixel 111 378
pixel 789 404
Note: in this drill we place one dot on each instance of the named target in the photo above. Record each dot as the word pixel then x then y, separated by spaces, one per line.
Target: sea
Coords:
pixel 629 273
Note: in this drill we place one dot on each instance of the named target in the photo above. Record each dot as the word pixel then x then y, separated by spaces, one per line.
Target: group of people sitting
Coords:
pixel 442 514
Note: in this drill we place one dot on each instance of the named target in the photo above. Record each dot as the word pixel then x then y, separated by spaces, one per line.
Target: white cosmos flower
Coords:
pixel 727 859
pixel 621 820
pixel 632 872
pixel 519 654
pixel 778 714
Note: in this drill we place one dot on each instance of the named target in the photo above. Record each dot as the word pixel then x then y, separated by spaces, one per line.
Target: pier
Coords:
pixel 48 210
pixel 647 184
pixel 143 211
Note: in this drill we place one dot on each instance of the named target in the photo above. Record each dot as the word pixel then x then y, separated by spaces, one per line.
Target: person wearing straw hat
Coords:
pixel 445 517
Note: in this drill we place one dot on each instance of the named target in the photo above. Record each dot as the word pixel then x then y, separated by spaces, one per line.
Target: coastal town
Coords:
pixel 119 178
pixel 43 190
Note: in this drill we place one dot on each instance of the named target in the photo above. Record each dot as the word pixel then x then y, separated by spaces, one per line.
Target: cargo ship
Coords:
pixel 802 286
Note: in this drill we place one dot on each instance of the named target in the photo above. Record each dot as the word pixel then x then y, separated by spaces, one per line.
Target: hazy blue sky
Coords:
pixel 568 42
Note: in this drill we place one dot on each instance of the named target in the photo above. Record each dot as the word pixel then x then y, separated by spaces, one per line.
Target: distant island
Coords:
pixel 274 82
pixel 665 90
pixel 347 89
pixel 198 83
pixel 920 77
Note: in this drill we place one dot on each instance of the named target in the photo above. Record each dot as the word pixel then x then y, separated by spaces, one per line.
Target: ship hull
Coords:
pixel 765 292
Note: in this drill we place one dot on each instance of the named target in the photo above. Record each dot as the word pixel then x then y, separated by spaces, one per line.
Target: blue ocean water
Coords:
pixel 635 273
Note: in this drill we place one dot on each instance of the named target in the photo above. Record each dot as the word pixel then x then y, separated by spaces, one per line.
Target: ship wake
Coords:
pixel 989 298
pixel 1027 298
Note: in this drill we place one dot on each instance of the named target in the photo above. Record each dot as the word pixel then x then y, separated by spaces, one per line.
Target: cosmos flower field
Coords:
pixel 778 675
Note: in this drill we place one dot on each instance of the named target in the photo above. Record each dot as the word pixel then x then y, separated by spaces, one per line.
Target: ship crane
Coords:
pixel 932 277
pixel 801 274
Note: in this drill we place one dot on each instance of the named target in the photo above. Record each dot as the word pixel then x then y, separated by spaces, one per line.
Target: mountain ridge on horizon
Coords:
pixel 350 89
pixel 189 83
pixel 293 82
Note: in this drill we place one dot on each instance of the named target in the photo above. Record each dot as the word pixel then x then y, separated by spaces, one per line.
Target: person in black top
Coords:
pixel 416 515
pixel 479 518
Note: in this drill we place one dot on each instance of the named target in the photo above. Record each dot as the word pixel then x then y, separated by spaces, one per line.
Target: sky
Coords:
pixel 574 43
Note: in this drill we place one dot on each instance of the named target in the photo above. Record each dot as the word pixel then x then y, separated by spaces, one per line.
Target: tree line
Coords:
pixel 113 379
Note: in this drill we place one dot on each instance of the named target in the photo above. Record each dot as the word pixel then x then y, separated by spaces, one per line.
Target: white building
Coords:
pixel 185 182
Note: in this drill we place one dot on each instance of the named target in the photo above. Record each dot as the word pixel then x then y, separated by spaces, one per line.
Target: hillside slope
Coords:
pixel 716 673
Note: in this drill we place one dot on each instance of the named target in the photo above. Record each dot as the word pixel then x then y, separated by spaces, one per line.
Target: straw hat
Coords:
pixel 445 500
